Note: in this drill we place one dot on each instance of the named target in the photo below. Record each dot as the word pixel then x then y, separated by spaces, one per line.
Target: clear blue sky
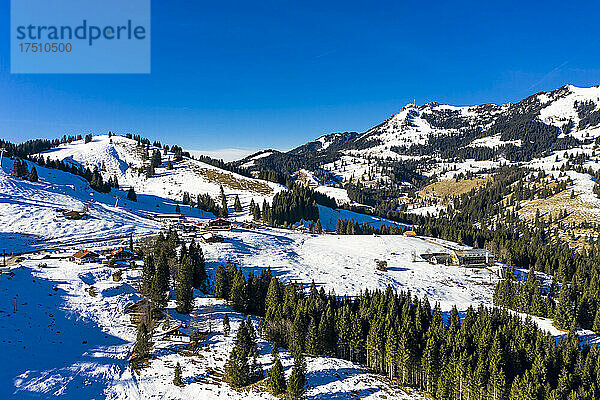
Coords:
pixel 277 74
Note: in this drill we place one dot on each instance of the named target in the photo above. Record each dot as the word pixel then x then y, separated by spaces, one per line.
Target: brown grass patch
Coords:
pixel 452 188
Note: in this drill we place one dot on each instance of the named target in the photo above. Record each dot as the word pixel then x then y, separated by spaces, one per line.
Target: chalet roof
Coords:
pixel 218 221
pixel 473 253
pixel 138 304
pixel 120 250
pixel 85 254
pixel 179 329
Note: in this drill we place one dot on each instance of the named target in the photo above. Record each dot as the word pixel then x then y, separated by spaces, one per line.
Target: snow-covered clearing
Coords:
pixel 346 264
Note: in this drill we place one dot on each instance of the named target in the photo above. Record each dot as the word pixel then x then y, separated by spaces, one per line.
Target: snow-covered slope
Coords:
pixel 121 156
pixel 30 216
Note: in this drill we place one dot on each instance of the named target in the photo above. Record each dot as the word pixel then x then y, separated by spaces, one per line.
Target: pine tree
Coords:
pixel 177 380
pixel 319 227
pixel 199 276
pixel 563 316
pixel 295 388
pixel 147 275
pixel 221 283
pixel 226 327
pixel 276 382
pixel 131 196
pixel 185 296
pixel 238 292
pixel 596 326
pixel 312 339
pixel 143 344
pixel 33 176
pixel 224 211
pixel 237 205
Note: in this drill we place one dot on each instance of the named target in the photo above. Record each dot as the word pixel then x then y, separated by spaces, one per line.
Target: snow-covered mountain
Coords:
pixel 565 118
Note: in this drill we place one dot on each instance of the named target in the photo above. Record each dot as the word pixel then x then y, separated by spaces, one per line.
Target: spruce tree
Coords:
pixel 162 270
pixel 256 213
pixel 237 368
pixel 185 296
pixel 276 382
pixel 224 211
pixel 226 327
pixel 199 276
pixel 33 176
pixel 237 205
pixel 131 196
pixel 319 227
pixel 295 387
pixel 563 316
pixel 147 275
pixel 238 292
pixel 221 283
pixel 142 346
pixel 177 380
pixel 312 339
pixel 596 326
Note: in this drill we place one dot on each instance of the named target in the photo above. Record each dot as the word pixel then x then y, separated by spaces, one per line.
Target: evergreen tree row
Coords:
pixel 490 354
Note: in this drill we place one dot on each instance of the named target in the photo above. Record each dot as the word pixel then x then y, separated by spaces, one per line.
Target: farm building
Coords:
pixel 462 258
pixel 218 224
pixel 85 256
pixel 472 257
pixel 121 254
pixel 178 333
pixel 438 258
pixel 209 237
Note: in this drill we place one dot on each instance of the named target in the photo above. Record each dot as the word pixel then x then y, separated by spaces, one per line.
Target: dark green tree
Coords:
pixel 226 327
pixel 177 380
pixel 276 381
pixel 33 176
pixel 185 296
pixel 131 194
pixel 295 387
pixel 238 292
pixel 221 283
pixel 237 205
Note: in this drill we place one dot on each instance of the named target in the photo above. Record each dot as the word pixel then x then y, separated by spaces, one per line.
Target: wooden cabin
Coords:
pixel 218 224
pixel 178 334
pixel 121 254
pixel 209 237
pixel 85 256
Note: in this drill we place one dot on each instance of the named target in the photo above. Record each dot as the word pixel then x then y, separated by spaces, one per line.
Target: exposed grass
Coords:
pixel 578 210
pixel 452 188
pixel 229 180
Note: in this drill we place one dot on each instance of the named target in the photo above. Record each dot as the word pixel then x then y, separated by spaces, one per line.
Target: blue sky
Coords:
pixel 277 74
